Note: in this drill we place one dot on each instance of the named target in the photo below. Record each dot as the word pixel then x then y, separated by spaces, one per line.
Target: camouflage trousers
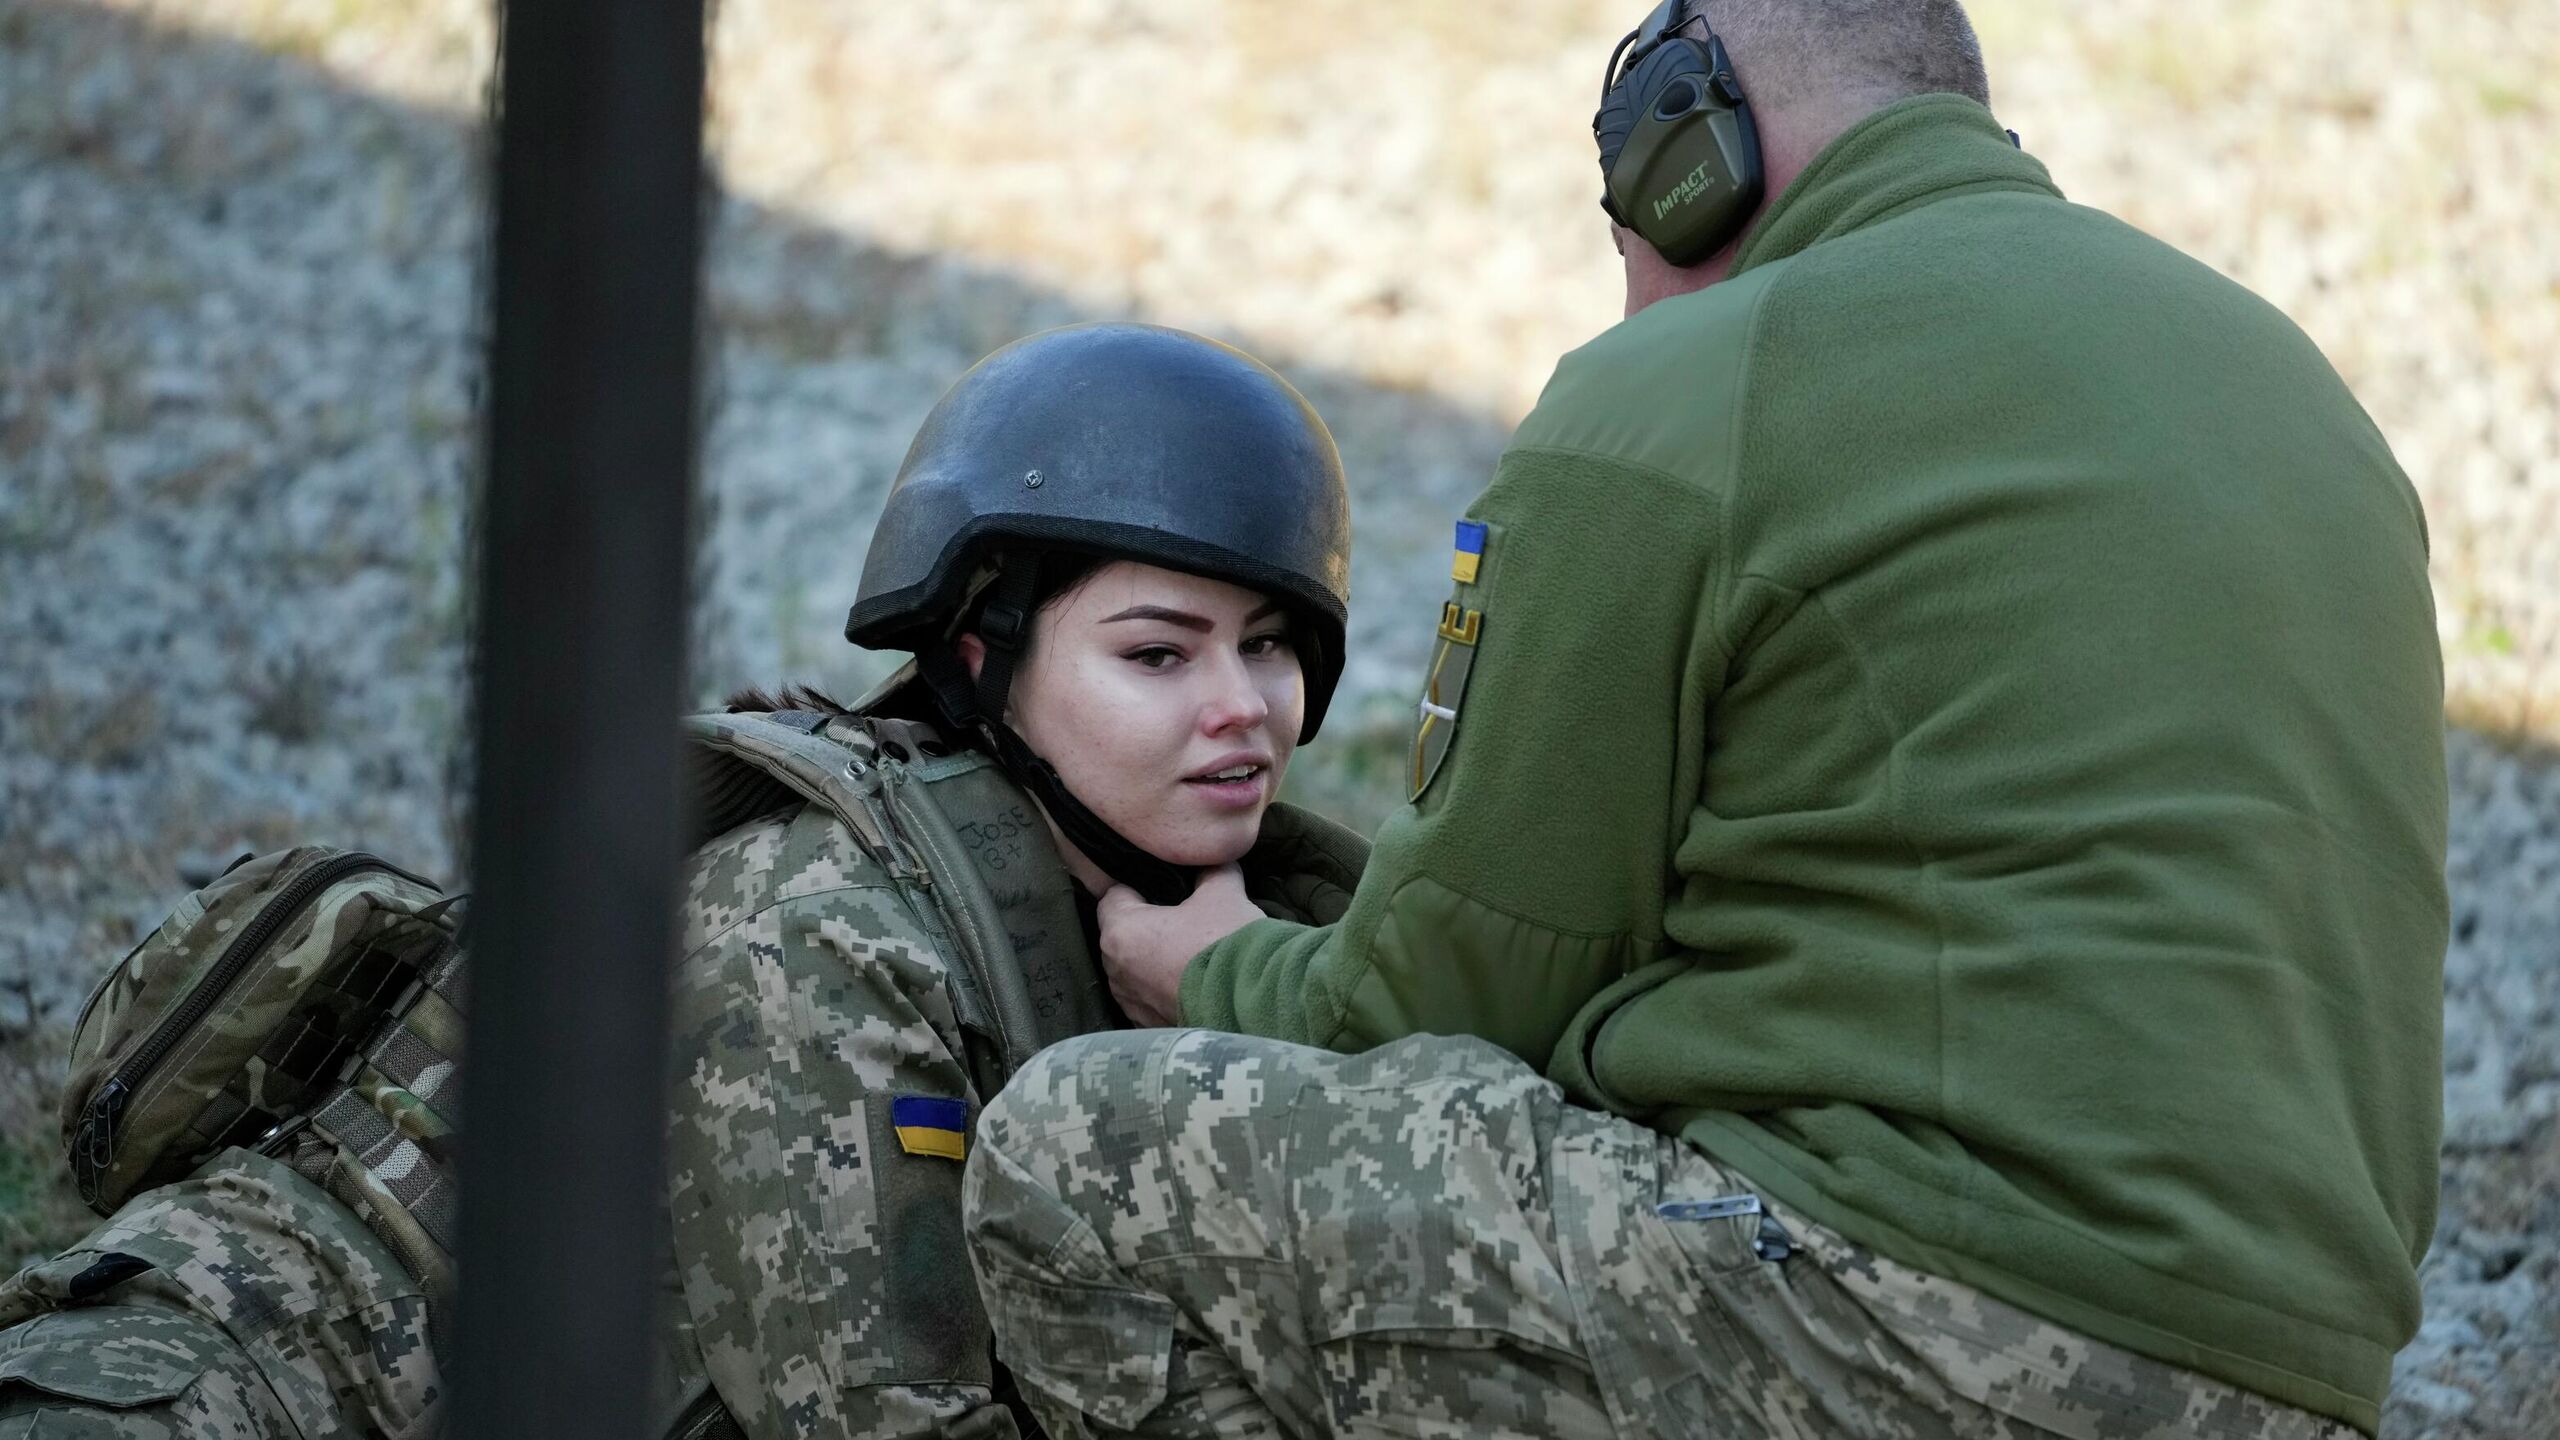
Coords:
pixel 240 1304
pixel 1186 1233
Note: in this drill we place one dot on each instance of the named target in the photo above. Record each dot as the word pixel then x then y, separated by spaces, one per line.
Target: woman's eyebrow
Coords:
pixel 1183 618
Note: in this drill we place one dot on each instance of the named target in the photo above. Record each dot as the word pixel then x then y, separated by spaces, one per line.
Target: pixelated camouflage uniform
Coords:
pixel 816 1284
pixel 241 1303
pixel 818 1262
pixel 1191 1233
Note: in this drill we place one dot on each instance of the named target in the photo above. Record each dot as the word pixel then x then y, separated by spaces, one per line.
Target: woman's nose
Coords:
pixel 1236 702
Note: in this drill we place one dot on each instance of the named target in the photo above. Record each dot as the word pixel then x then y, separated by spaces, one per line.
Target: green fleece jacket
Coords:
pixel 1954 732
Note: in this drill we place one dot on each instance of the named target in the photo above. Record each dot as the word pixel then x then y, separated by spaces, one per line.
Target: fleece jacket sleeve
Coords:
pixel 1530 871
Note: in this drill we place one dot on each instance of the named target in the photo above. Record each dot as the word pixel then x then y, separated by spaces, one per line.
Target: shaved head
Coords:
pixel 1845 58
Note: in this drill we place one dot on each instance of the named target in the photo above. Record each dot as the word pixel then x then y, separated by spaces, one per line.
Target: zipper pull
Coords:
pixel 93 1149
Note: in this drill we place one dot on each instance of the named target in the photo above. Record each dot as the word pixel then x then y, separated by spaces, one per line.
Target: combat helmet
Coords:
pixel 1118 441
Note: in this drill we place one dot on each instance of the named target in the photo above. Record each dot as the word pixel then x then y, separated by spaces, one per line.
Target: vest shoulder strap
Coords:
pixel 968 850
pixel 737 767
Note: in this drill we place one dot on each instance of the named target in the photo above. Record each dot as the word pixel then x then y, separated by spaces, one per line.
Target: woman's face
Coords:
pixel 1169 704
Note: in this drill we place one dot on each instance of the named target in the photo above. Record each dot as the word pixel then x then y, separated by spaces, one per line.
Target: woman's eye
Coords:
pixel 1155 657
pixel 1271 644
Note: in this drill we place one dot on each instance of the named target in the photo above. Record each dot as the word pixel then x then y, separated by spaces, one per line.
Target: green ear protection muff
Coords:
pixel 1679 159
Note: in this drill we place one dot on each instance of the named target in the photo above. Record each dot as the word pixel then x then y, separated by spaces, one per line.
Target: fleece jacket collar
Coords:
pixel 1929 147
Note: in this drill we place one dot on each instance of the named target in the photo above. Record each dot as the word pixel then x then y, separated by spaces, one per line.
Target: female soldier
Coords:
pixel 1119 555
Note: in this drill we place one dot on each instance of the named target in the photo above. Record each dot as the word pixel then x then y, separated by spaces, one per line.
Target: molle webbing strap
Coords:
pixel 393 1122
pixel 419 1068
pixel 416 1182
pixel 421 1051
pixel 229 1120
pixel 446 980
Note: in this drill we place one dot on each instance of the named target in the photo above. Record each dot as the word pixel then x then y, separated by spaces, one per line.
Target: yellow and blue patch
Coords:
pixel 1470 552
pixel 931 1125
pixel 1461 630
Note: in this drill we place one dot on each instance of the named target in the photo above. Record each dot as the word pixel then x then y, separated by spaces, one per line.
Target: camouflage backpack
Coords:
pixel 304 1004
pixel 308 1004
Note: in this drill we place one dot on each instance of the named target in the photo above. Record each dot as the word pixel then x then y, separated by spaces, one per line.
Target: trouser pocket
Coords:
pixel 1082 1344
pixel 1664 1249
pixel 1097 1350
pixel 1421 1208
pixel 1427 1246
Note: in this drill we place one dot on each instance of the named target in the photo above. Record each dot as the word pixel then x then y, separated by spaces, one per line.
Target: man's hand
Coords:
pixel 1145 948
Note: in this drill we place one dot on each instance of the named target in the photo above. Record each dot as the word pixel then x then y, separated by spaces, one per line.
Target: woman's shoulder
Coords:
pixel 798 852
pixel 796 937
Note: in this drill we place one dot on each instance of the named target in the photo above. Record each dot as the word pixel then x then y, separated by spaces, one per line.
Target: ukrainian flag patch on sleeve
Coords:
pixel 1461 631
pixel 1470 552
pixel 931 1125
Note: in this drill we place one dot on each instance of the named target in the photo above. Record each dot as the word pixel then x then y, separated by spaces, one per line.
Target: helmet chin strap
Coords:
pixel 978 707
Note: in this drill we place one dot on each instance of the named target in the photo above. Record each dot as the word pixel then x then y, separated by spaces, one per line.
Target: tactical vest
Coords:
pixel 307 1005
pixel 940 821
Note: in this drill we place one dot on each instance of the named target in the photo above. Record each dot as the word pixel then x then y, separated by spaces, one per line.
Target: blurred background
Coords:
pixel 240 247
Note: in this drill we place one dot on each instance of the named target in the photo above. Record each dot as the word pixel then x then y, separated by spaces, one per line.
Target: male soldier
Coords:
pixel 1986 978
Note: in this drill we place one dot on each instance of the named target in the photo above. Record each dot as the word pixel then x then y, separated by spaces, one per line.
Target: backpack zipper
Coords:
pixel 93 1147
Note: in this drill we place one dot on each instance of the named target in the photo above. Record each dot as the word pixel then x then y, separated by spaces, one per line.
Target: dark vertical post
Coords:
pixel 581 645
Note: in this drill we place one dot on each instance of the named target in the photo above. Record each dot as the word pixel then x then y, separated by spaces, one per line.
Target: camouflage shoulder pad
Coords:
pixel 129 1370
pixel 335 1329
pixel 737 767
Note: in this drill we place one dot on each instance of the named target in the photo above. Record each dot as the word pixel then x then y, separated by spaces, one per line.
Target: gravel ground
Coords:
pixel 237 370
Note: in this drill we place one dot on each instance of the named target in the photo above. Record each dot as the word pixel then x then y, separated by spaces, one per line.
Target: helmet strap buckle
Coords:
pixel 1003 625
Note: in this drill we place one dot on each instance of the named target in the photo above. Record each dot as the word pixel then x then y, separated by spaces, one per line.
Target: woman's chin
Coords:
pixel 1207 843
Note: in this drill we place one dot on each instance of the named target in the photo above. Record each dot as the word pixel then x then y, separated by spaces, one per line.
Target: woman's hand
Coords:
pixel 1145 948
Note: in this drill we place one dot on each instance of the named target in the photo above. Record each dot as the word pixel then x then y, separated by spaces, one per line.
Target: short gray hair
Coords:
pixel 1857 55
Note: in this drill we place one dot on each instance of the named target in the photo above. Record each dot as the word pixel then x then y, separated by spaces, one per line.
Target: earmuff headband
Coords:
pixel 1666 18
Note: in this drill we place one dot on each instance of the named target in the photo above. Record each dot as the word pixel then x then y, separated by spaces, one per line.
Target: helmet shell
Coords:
pixel 1129 441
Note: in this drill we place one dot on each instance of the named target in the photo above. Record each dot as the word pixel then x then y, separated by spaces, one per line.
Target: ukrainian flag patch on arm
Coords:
pixel 1461 630
pixel 931 1125
pixel 1471 536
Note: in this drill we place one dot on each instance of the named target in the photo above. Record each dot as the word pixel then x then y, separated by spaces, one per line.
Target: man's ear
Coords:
pixel 973 653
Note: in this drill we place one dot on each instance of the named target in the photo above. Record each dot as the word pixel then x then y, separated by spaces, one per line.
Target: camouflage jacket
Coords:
pixel 830 1056
pixel 826 1077
pixel 241 1302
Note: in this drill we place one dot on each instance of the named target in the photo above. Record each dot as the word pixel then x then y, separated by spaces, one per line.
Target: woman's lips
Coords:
pixel 1241 794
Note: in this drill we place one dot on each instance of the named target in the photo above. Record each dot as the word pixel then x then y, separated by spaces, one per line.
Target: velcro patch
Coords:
pixel 931 1125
